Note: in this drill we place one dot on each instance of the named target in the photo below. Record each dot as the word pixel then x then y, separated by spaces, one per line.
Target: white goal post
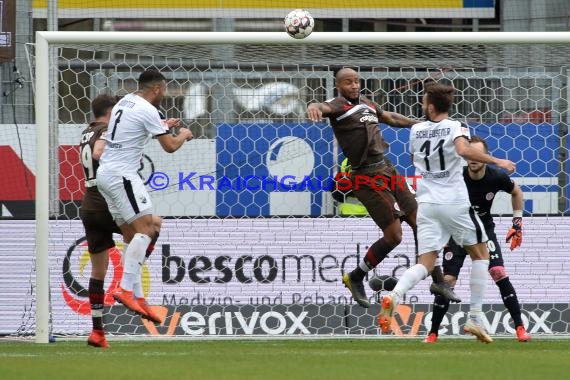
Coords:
pixel 44 87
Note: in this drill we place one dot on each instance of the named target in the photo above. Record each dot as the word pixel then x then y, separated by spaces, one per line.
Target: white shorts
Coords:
pixel 437 223
pixel 125 195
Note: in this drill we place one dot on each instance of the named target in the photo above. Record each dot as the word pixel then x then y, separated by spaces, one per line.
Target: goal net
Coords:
pixel 252 244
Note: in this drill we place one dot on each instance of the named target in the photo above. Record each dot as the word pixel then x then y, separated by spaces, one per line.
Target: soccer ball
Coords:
pixel 299 23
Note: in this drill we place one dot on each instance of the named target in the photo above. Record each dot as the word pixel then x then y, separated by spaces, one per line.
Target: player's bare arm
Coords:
pixel 465 150
pixel 517 198
pixel 316 111
pixel 397 120
pixel 171 143
pixel 172 123
pixel 515 233
pixel 98 149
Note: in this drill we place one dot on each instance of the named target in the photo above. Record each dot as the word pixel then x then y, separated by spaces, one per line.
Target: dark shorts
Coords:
pixel 386 201
pixel 99 229
pixel 453 259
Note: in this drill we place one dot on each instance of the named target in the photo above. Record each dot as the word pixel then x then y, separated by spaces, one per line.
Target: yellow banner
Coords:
pixel 242 9
pixel 228 4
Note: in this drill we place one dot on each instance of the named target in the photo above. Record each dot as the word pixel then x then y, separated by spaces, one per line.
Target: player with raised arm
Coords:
pixel 483 183
pixel 354 120
pixel 135 118
pixel 437 146
pixel 98 222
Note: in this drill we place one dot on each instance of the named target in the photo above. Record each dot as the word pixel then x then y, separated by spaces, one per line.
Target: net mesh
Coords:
pixel 256 258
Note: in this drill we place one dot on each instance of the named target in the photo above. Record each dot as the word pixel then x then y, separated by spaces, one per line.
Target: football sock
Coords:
pixel 133 259
pixel 97 301
pixel 440 307
pixel 375 254
pixel 510 300
pixel 478 285
pixel 150 248
pixel 409 279
pixel 137 285
pixel 138 289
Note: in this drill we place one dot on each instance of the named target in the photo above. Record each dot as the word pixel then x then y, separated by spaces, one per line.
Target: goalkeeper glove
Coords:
pixel 514 235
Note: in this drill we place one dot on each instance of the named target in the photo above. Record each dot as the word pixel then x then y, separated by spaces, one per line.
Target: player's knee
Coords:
pixel 498 273
pixel 393 239
pixel 397 238
pixel 148 231
pixel 478 251
pixel 98 273
pixel 127 232
pixel 157 222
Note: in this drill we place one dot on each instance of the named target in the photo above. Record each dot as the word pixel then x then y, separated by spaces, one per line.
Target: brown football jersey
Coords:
pixel 355 126
pixel 92 199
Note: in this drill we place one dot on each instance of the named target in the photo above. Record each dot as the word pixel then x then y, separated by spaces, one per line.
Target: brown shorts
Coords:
pixel 99 229
pixel 384 193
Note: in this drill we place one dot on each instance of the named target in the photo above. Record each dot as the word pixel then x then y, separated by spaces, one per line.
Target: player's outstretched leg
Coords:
pixel 354 281
pixel 137 287
pixel 132 261
pixel 390 302
pixel 439 287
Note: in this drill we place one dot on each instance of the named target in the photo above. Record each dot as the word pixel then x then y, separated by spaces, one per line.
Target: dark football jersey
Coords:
pixel 482 192
pixel 355 126
pixel 92 199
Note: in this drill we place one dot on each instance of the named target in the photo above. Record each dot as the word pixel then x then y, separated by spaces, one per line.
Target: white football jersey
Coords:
pixel 133 122
pixel 437 162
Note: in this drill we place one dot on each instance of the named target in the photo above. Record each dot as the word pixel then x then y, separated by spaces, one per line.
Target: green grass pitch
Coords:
pixel 330 359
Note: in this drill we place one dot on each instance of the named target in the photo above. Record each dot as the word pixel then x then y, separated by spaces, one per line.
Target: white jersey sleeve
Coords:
pixel 437 163
pixel 133 121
